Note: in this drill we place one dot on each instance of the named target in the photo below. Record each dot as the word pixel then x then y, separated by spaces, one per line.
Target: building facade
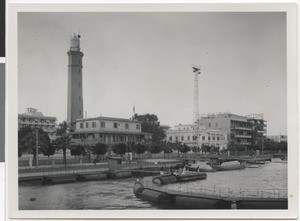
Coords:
pixel 259 128
pixel 108 130
pixel 278 138
pixel 244 131
pixel 36 119
pixel 75 99
pixel 186 135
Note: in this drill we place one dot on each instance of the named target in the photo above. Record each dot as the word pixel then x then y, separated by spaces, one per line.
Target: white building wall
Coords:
pixel 109 125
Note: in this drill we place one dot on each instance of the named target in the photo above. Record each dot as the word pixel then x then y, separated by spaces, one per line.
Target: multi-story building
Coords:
pixel 36 119
pixel 108 130
pixel 245 131
pixel 259 128
pixel 181 133
pixel 278 138
pixel 186 135
pixel 237 128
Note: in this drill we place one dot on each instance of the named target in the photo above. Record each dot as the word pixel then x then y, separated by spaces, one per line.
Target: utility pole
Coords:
pixel 36 147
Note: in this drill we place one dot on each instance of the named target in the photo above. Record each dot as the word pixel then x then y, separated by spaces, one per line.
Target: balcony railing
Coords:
pixel 245 143
pixel 242 136
pixel 242 128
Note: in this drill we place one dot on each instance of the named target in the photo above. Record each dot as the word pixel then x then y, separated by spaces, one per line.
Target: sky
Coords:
pixel 145 60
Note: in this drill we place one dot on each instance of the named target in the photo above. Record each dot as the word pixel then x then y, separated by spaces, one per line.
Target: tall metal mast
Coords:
pixel 196 71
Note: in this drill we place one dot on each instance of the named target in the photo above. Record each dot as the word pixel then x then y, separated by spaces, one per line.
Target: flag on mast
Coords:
pixel 134 109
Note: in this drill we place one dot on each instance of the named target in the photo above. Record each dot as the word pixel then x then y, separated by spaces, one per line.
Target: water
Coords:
pixel 118 194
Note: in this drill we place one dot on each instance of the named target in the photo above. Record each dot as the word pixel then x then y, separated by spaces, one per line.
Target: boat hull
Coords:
pixel 228 167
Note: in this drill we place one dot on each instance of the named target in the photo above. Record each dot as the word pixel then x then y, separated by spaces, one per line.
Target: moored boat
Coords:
pixel 279 160
pixel 231 165
pixel 202 167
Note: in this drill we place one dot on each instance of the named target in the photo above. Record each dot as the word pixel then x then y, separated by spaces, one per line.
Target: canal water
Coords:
pixel 267 180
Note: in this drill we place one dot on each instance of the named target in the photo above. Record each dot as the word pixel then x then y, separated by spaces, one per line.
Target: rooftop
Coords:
pixel 109 119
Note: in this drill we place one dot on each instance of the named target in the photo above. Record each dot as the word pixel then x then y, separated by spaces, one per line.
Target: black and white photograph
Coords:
pixel 153 110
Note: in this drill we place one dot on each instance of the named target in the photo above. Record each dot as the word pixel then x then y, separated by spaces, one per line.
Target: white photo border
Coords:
pixel 12 202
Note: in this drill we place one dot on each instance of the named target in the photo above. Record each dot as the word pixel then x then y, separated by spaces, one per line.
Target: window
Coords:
pixel 214 138
pixel 218 138
pixel 87 125
pixel 188 137
pixel 93 124
pixel 176 138
pixel 208 138
pixel 79 113
pixel 209 124
pixel 102 124
pixel 115 125
pixel 170 138
pixel 182 137
pixel 203 137
pixel 81 125
pixel 126 126
pixel 138 126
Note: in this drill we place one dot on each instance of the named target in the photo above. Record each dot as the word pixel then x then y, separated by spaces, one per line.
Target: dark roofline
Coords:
pixel 109 118
pixel 110 132
pixel 34 116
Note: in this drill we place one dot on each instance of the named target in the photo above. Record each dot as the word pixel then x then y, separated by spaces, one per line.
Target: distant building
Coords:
pixel 259 128
pixel 245 131
pixel 278 138
pixel 185 135
pixel 108 130
pixel 35 119
pixel 164 127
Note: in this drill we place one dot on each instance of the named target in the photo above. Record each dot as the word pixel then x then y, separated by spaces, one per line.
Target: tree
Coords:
pixel 120 149
pixel 215 149
pixel 48 150
pixel 206 148
pixel 183 148
pixel 169 147
pixel 139 148
pixel 63 140
pixel 196 149
pixel 27 141
pixel 99 149
pixel 283 146
pixel 156 148
pixel 150 124
pixel 77 150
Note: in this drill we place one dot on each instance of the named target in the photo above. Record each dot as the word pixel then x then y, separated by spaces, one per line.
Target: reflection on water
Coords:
pixel 118 194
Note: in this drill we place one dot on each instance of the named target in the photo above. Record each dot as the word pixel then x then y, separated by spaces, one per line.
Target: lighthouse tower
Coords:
pixel 75 101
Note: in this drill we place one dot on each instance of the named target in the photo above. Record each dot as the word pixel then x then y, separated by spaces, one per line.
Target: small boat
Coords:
pixel 189 176
pixel 202 166
pixel 255 162
pixel 231 165
pixel 279 160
